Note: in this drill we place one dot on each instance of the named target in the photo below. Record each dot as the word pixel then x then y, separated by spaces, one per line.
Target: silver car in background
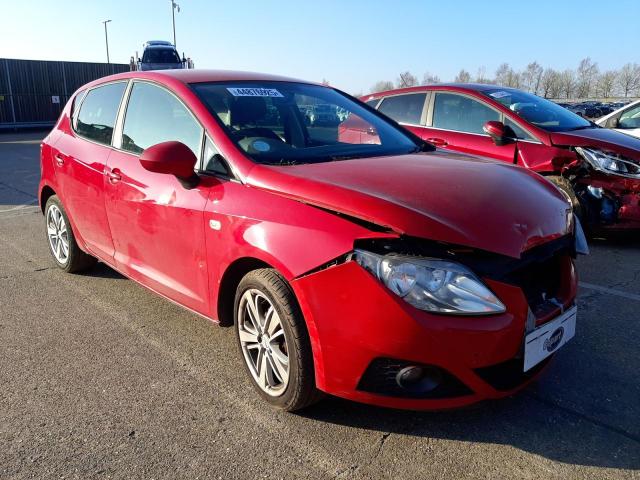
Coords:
pixel 625 119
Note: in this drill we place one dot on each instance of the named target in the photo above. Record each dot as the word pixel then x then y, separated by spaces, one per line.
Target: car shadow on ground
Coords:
pixel 102 270
pixel 525 421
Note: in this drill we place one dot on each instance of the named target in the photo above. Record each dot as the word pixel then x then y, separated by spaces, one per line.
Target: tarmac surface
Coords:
pixel 101 378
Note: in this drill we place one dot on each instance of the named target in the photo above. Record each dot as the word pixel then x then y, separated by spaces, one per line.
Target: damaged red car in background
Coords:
pixel 597 169
pixel 358 263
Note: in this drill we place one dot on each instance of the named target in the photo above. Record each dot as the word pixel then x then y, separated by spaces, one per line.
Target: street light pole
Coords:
pixel 174 6
pixel 106 38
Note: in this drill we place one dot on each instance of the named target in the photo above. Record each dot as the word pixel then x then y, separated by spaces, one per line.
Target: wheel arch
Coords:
pixel 225 302
pixel 45 193
pixel 229 283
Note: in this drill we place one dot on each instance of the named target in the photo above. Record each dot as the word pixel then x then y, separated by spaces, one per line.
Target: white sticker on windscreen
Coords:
pixel 499 94
pixel 254 92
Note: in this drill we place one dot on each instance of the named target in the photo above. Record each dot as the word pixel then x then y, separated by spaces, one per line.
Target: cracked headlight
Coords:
pixel 610 162
pixel 431 284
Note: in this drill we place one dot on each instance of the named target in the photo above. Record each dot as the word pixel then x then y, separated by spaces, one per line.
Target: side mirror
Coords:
pixel 498 132
pixel 173 158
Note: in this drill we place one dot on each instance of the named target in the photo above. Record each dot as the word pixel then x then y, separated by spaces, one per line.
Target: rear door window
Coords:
pixel 154 116
pixel 404 108
pixel 461 113
pixel 98 112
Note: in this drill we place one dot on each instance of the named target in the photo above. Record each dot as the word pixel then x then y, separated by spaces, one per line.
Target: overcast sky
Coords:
pixel 352 43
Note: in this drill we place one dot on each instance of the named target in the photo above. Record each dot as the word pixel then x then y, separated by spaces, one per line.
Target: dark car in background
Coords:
pixel 160 55
pixel 598 169
pixel 324 115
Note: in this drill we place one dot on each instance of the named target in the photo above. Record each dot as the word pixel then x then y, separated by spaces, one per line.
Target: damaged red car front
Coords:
pixel 597 169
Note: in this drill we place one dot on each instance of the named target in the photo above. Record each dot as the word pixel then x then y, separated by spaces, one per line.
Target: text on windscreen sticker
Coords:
pixel 254 92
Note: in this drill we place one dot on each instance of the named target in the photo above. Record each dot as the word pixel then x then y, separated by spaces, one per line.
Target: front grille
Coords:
pixel 540 282
pixel 380 378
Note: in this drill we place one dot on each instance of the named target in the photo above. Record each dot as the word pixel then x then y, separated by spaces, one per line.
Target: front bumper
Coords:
pixel 354 322
pixel 617 208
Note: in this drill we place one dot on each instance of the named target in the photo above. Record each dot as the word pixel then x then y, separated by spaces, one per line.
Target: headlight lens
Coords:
pixel 610 162
pixel 431 284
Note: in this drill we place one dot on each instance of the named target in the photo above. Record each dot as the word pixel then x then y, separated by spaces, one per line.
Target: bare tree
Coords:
pixel 532 77
pixel 567 82
pixel 463 77
pixel 507 76
pixel 629 78
pixel 481 75
pixel 556 85
pixel 382 85
pixel 606 83
pixel 502 73
pixel 586 77
pixel 584 82
pixel 325 82
pixel 406 79
pixel 428 78
pixel 548 83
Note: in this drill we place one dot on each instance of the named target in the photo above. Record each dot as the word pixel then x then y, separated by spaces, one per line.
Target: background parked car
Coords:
pixel 625 119
pixel 324 115
pixel 598 169
pixel 160 55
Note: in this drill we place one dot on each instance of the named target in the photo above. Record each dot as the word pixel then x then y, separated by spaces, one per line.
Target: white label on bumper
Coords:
pixel 548 338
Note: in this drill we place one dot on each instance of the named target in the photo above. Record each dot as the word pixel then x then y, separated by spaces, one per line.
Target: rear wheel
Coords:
pixel 62 243
pixel 273 341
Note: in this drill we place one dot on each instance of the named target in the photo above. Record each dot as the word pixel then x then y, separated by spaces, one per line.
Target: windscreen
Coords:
pixel 160 55
pixel 284 123
pixel 538 111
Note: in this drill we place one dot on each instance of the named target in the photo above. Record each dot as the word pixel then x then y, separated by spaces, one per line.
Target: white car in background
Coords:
pixel 625 119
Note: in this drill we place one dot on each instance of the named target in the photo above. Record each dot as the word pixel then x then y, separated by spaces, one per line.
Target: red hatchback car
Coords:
pixel 596 168
pixel 369 267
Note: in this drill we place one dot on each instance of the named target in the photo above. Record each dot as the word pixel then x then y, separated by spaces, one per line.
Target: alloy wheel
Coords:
pixel 263 342
pixel 58 234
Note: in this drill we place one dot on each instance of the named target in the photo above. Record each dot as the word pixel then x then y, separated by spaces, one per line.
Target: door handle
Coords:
pixel 114 175
pixel 59 159
pixel 438 142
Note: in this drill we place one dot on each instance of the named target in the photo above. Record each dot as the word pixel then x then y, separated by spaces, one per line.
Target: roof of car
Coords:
pixel 477 87
pixel 159 47
pixel 201 76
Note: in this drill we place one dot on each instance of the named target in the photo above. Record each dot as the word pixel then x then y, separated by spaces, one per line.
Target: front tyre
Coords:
pixel 273 341
pixel 61 241
pixel 565 187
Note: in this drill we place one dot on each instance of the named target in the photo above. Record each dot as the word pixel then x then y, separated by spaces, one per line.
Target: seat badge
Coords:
pixel 215 224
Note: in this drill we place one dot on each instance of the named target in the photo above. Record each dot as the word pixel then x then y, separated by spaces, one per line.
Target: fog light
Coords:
pixel 419 379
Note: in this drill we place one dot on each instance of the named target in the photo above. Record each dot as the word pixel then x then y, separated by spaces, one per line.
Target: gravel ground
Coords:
pixel 102 379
